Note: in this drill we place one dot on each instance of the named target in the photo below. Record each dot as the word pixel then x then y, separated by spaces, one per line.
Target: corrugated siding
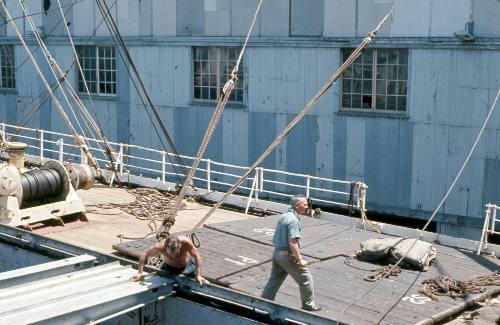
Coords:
pixel 408 163
pixel 451 93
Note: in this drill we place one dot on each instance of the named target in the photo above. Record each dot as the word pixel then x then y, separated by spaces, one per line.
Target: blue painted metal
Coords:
pixel 407 161
pixel 307 17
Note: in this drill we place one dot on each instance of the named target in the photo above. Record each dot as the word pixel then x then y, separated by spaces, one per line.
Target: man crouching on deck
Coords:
pixel 180 255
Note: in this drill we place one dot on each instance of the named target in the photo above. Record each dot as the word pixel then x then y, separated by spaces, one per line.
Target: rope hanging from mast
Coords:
pixel 221 104
pixel 127 58
pixel 95 123
pixel 78 140
pixel 314 100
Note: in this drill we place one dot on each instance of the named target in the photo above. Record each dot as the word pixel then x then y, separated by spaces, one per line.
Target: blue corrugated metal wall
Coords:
pixel 407 161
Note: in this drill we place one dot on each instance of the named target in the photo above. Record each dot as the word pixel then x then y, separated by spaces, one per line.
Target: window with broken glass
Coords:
pixel 99 69
pixel 7 67
pixel 376 81
pixel 212 68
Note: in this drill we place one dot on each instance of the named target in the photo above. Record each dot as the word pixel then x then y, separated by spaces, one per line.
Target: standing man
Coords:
pixel 180 255
pixel 287 258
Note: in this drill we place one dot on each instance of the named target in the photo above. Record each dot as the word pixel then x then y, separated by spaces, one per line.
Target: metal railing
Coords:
pixel 158 164
pixel 490 220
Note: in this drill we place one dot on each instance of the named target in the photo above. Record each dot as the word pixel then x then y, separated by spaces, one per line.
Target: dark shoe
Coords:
pixel 311 308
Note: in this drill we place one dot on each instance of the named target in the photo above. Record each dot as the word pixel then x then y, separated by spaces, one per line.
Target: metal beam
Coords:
pixel 45 270
pixel 276 313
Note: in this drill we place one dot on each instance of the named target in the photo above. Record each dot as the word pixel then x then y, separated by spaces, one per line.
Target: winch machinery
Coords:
pixel 49 192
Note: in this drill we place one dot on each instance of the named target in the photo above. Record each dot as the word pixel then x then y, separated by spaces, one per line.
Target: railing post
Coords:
pixel 308 185
pixel 484 233
pixel 208 175
pixel 493 218
pixel 261 180
pixel 257 186
pixel 120 156
pixel 41 145
pixel 60 143
pixel 254 188
pixel 163 167
pixel 119 159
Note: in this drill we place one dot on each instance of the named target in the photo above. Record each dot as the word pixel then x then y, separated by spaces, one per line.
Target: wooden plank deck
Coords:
pixel 237 254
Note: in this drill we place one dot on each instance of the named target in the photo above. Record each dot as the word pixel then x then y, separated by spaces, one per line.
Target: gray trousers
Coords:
pixel 282 265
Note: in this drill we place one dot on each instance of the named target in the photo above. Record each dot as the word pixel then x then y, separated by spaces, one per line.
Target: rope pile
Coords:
pixel 383 272
pixel 447 286
pixel 150 204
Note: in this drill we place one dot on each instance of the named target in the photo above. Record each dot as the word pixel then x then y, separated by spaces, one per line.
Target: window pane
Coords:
pixel 393 57
pixel 346 101
pixel 381 56
pixel 204 93
pixel 392 72
pixel 356 101
pixel 381 72
pixel 346 85
pixel 367 87
pixel 380 103
pixel 403 72
pixel 197 92
pixel 401 88
pixel 401 103
pixel 391 103
pixel 346 53
pixel 403 57
pixel 391 87
pixel 367 72
pixel 357 71
pixel 381 86
pixel 367 101
pixel 356 86
pixel 368 57
pixel 348 73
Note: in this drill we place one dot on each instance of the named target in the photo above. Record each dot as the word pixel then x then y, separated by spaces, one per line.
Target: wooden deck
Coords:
pixel 104 225
pixel 237 254
pixel 237 249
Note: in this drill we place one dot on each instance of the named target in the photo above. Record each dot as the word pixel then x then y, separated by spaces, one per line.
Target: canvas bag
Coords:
pixel 393 249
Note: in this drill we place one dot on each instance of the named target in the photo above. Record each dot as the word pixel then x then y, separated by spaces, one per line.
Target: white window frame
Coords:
pixel 219 84
pixel 97 72
pixel 12 66
pixel 373 81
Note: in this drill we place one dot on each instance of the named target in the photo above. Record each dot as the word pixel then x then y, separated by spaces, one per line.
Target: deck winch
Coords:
pixel 48 192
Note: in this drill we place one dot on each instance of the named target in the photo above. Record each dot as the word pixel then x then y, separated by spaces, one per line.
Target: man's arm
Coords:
pixel 294 246
pixel 197 259
pixel 150 252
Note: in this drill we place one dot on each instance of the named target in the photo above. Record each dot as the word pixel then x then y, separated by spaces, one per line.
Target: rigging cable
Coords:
pixel 54 28
pixel 54 86
pixel 435 211
pixel 221 103
pixel 60 78
pixel 115 33
pixel 38 13
pixel 110 28
pixel 46 84
pixel 109 150
pixel 314 100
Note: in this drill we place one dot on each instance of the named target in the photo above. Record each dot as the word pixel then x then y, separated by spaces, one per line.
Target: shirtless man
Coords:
pixel 180 255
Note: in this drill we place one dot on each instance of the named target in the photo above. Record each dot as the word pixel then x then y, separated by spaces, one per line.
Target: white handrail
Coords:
pixel 490 220
pixel 154 162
